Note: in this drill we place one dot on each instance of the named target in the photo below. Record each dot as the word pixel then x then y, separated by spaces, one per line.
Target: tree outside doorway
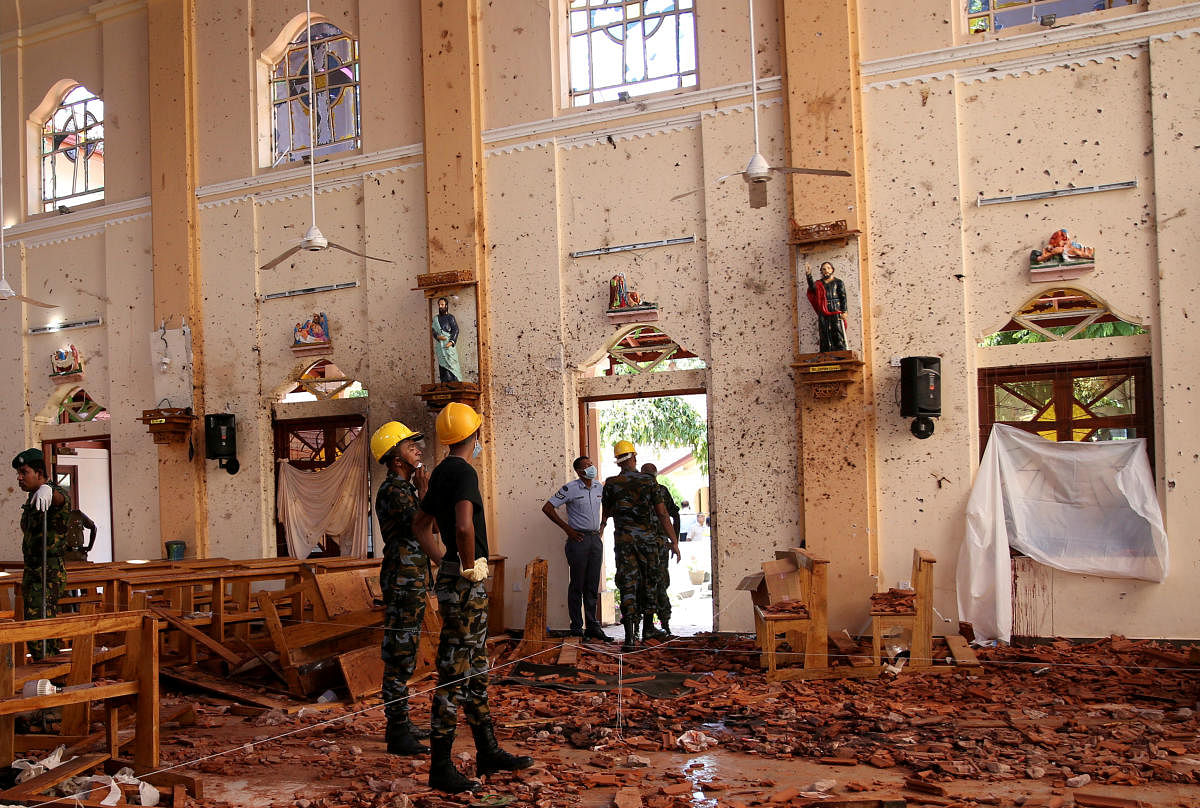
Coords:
pixel 670 432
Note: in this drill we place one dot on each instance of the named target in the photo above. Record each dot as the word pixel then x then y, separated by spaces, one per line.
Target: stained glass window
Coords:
pixel 335 96
pixel 621 49
pixel 72 151
pixel 1010 13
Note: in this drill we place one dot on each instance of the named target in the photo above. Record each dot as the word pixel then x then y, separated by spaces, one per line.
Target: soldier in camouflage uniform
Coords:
pixel 661 582
pixel 455 503
pixel 635 504
pixel 402 575
pixel 44 518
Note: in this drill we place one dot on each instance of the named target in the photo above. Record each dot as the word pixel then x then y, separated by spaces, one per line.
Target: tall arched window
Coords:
pixel 335 95
pixel 72 150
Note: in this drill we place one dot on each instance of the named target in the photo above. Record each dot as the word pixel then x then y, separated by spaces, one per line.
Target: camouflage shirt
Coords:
pixel 630 498
pixel 57 519
pixel 396 505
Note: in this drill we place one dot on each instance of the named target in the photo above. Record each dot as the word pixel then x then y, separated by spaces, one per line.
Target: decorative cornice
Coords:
pixel 1052 36
pixel 1182 33
pixel 544 131
pixel 1042 63
pixel 252 186
pixel 54 229
pixel 112 9
pixel 55 28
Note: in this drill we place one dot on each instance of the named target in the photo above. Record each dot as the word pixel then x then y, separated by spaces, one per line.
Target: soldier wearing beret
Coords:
pixel 45 518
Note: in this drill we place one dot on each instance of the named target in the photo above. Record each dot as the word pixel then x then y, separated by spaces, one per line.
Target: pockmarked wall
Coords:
pixel 946 126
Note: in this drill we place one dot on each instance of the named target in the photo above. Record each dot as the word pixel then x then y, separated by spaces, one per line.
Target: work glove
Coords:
pixel 43 497
pixel 477 573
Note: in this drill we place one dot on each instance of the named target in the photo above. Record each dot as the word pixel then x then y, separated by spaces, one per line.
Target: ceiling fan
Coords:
pixel 758 172
pixel 6 290
pixel 314 240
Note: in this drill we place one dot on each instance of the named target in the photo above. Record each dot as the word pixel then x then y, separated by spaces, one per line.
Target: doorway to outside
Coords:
pixel 670 431
pixel 82 467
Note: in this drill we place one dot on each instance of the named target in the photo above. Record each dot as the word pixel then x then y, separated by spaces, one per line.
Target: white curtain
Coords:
pixel 1082 507
pixel 330 501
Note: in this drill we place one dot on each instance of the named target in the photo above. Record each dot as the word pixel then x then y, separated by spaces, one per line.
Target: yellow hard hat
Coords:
pixel 623 447
pixel 457 422
pixel 388 437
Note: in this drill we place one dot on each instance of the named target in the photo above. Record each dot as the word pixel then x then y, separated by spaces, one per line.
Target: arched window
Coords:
pixel 321 381
pixel 646 349
pixel 335 96
pixel 72 150
pixel 77 406
pixel 1059 315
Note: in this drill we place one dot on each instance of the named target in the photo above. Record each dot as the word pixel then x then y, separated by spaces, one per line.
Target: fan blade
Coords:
pixel 277 261
pixel 727 176
pixel 824 172
pixel 337 246
pixel 30 300
pixel 758 194
pixel 686 193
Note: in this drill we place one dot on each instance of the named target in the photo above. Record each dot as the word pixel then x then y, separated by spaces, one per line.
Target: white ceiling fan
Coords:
pixel 757 172
pixel 6 290
pixel 314 240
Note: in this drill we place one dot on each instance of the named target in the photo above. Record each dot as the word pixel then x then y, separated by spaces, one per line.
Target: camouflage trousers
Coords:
pixel 31 593
pixel 404 611
pixel 634 577
pixel 462 660
pixel 662 581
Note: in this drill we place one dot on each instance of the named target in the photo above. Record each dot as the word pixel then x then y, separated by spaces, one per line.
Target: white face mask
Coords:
pixel 477 451
pixel 590 472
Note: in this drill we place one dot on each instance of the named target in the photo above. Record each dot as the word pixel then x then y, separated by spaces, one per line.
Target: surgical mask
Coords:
pixel 590 472
pixel 478 450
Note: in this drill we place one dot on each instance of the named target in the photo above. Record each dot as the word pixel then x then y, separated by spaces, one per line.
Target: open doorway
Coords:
pixel 670 430
pixel 82 468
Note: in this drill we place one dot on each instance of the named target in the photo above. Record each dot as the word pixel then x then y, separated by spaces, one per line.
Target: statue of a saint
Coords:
pixel 828 299
pixel 445 343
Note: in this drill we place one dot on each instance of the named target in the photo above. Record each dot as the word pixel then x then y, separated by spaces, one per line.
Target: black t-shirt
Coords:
pixel 453 481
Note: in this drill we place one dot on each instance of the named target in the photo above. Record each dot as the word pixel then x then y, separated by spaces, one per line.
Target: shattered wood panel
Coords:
pixel 1032 598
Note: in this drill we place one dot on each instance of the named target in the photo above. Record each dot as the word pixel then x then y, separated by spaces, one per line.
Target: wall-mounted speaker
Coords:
pixel 920 387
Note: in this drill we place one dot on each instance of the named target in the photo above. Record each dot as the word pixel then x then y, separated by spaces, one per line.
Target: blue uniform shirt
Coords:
pixel 583 504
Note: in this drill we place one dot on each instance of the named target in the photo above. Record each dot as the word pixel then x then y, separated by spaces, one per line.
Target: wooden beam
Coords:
pixel 200 637
pixel 48 779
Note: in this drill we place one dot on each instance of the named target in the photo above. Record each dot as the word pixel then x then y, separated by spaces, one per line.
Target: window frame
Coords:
pixel 1032 26
pixel 1062 374
pixel 39 129
pixel 585 98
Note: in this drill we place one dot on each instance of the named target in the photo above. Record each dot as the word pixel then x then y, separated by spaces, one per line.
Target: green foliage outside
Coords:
pixel 663 423
pixel 1094 331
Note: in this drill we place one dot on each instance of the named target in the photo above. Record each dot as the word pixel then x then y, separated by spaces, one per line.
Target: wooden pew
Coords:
pixel 919 621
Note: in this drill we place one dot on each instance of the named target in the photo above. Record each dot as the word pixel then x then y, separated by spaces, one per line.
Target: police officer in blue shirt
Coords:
pixel 584 549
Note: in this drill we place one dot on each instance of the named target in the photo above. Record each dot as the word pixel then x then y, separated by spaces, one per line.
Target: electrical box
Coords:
pixel 220 436
pixel 920 387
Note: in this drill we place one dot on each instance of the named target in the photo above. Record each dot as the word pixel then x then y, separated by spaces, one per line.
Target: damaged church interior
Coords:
pixel 664 403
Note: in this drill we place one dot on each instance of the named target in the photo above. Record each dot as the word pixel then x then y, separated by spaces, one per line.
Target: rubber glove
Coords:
pixel 42 497
pixel 477 573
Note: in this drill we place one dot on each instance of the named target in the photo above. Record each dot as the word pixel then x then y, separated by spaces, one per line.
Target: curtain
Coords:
pixel 1083 507
pixel 331 501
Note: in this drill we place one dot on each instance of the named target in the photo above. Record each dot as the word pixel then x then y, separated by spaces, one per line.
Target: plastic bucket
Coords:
pixel 175 550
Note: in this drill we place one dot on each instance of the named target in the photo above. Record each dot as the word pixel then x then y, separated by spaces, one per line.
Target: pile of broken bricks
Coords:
pixel 894 601
pixel 1069 716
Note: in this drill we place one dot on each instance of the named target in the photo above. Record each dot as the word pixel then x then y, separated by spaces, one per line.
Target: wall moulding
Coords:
pixel 54 228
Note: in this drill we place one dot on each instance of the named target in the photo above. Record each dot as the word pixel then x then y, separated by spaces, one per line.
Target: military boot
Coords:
pixel 402 739
pixel 490 758
pixel 443 774
pixel 631 634
pixel 649 632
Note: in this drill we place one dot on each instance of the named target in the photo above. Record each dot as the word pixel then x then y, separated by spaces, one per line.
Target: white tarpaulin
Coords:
pixel 1081 507
pixel 331 501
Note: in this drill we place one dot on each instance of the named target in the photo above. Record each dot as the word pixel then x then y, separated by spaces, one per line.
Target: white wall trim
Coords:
pixel 1052 36
pixel 52 229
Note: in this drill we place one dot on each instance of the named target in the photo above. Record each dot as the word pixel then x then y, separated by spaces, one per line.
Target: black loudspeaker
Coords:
pixel 920 387
pixel 220 440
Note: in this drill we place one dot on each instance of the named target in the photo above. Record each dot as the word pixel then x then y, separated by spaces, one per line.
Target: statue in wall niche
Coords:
pixel 1062 249
pixel 313 331
pixel 621 297
pixel 828 299
pixel 65 361
pixel 445 343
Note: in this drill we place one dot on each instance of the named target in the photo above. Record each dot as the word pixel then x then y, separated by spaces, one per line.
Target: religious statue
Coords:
pixel 1062 249
pixel 828 299
pixel 621 297
pixel 313 331
pixel 445 343
pixel 65 361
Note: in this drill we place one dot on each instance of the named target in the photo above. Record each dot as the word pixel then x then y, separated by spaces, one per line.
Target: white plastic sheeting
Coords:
pixel 1081 507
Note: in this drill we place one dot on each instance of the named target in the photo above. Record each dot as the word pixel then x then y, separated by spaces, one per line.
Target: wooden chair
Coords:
pixel 795 575
pixel 919 621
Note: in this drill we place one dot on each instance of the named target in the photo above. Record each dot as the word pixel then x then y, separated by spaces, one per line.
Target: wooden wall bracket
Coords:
pixel 827 375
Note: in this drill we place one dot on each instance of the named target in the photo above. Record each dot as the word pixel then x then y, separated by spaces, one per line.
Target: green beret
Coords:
pixel 32 458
